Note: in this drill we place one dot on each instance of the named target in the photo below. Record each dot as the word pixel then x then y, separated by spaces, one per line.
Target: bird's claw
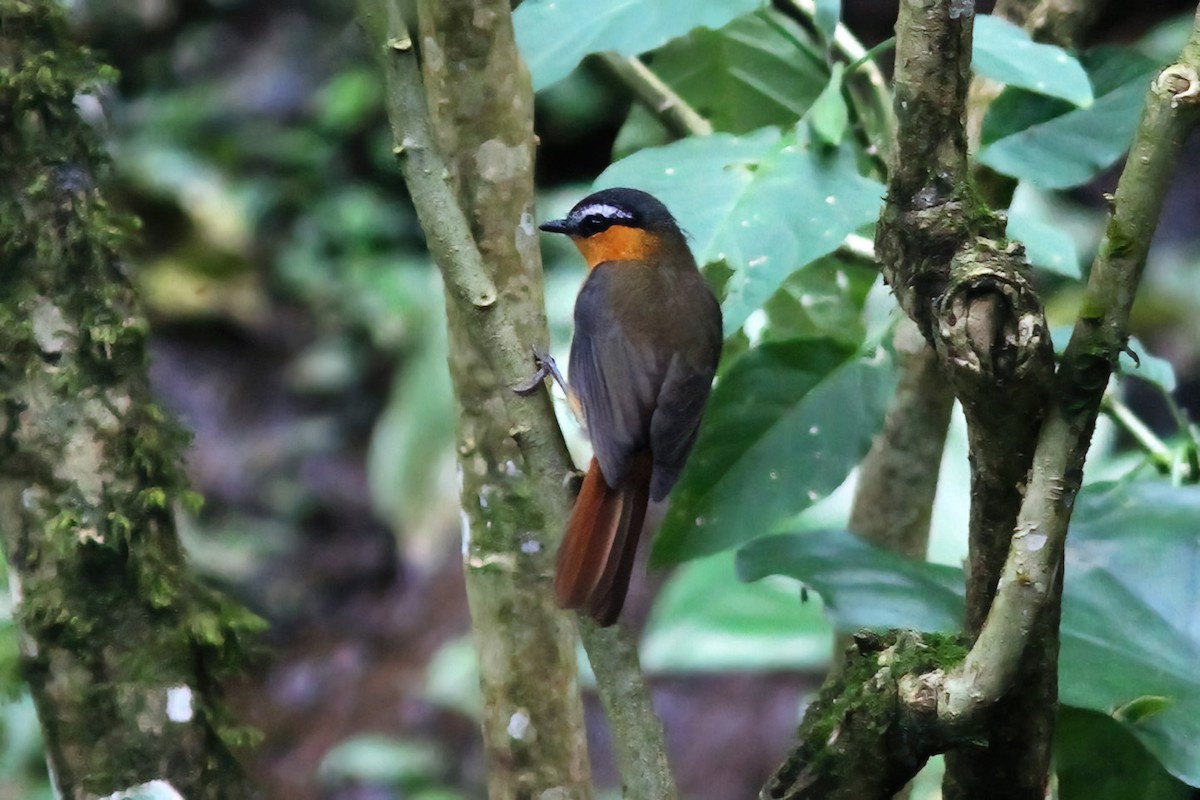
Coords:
pixel 545 368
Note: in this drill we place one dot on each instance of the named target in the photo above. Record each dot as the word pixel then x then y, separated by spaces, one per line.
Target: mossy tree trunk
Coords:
pixel 120 647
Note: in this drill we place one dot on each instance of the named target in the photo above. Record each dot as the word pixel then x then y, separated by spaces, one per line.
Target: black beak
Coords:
pixel 556 226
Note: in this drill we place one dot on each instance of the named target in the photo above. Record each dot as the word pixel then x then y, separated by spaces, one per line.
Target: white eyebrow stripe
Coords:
pixel 604 210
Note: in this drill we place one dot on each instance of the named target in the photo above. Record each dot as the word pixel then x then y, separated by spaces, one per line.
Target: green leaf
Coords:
pixel 826 16
pixel 706 619
pixel 766 204
pixel 1131 612
pixel 761 69
pixel 825 299
pixel 1046 246
pixel 1054 145
pixel 1005 53
pixel 786 423
pixel 1096 758
pixel 1142 708
pixel 863 586
pixel 829 117
pixel 555 35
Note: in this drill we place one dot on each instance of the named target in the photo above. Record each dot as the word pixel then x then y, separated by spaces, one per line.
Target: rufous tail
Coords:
pixel 595 559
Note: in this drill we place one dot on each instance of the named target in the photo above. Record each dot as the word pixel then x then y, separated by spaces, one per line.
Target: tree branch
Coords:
pixel 1100 333
pixel 638 746
pixel 929 258
pixel 122 648
pixel 494 326
pixel 679 118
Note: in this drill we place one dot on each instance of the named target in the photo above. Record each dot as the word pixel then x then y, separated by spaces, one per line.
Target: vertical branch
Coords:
pixel 120 647
pixel 497 312
pixel 973 301
pixel 466 144
pixel 898 477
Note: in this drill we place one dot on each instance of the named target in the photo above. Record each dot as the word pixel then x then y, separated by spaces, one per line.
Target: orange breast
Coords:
pixel 618 243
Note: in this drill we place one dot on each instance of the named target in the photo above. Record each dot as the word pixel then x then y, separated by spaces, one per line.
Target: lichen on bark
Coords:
pixel 112 625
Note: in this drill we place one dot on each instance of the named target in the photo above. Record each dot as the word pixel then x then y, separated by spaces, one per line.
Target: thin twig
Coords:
pixel 853 51
pixel 1129 422
pixel 679 118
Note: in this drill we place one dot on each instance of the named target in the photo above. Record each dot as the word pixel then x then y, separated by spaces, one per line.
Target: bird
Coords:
pixel 646 346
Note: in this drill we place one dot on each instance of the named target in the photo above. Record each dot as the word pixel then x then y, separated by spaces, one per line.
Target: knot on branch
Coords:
pixel 1181 83
pixel 992 329
pixel 916 246
pixel 874 723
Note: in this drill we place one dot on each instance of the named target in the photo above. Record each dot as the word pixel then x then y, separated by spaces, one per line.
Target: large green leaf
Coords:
pixel 761 69
pixel 862 585
pixel 1131 614
pixel 555 35
pixel 786 423
pixel 1005 53
pixel 765 203
pixel 1131 609
pixel 705 619
pixel 1053 144
pixel 1096 758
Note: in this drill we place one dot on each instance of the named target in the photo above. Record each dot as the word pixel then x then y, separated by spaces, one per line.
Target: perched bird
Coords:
pixel 647 341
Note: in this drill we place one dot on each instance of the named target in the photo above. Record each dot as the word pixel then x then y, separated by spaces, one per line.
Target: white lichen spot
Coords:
pixel 152 790
pixel 526 224
pixel 50 328
pixel 466 534
pixel 495 161
pixel 1035 542
pixel 812 495
pixel 531 547
pixel 89 535
pixel 518 725
pixel 179 704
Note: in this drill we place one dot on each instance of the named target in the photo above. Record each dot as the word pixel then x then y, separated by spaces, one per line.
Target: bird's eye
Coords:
pixel 593 224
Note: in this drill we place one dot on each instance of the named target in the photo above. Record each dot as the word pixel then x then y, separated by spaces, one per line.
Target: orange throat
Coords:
pixel 618 243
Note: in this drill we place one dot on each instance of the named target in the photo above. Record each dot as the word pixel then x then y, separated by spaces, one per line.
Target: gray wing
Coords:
pixel 616 382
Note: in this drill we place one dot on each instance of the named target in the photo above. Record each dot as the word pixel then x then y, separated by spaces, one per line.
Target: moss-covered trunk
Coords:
pixel 118 644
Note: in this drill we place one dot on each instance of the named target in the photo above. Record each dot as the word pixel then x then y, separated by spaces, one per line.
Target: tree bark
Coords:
pixel 481 109
pixel 121 648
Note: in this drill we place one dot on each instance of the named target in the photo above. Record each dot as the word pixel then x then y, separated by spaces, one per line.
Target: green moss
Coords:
pixel 864 691
pixel 106 595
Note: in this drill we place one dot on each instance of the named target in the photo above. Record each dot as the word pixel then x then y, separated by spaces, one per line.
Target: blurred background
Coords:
pixel 298 333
